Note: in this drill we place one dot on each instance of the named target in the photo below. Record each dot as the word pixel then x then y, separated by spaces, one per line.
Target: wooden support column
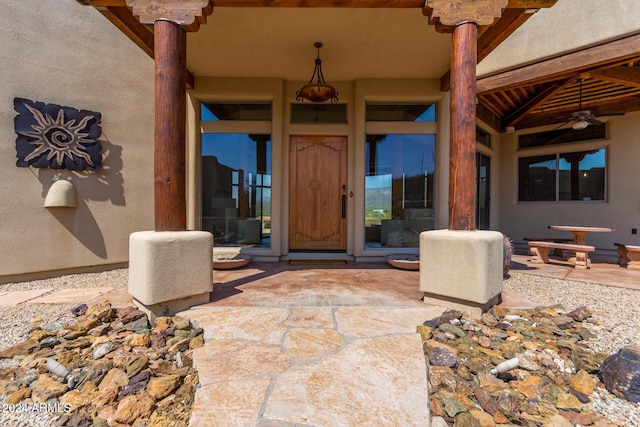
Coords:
pixel 170 127
pixel 463 16
pixel 169 20
pixel 462 145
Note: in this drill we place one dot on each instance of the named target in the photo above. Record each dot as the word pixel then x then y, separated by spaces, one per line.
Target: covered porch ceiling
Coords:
pixel 362 38
pixel 548 92
pixel 395 39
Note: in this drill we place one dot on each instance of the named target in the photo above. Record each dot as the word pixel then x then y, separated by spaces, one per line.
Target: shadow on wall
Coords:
pixel 104 186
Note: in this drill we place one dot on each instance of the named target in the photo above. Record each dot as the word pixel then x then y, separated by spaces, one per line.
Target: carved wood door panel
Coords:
pixel 317 196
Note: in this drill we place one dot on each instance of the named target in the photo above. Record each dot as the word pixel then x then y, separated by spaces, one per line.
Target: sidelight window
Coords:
pixel 236 188
pixel 399 189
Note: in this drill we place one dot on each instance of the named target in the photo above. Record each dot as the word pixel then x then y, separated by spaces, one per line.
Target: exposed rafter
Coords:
pixel 547 92
pixel 539 98
pixel 624 75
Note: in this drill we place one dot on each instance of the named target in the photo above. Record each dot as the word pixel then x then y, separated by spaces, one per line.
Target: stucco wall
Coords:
pixel 63 53
pixel 573 24
pixel 621 210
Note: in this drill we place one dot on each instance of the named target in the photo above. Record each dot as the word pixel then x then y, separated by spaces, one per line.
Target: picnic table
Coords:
pixel 540 249
pixel 579 232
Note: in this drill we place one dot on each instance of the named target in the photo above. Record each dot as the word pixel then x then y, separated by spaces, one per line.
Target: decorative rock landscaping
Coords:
pixel 107 368
pixel 551 385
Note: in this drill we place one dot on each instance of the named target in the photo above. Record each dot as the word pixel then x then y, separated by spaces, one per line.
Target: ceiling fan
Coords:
pixel 583 118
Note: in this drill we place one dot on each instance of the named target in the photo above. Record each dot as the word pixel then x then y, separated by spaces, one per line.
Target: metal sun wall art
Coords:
pixel 57 137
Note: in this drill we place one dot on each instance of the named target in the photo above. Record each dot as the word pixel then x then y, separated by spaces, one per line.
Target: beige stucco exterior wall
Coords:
pixel 575 24
pixel 59 52
pixel 621 210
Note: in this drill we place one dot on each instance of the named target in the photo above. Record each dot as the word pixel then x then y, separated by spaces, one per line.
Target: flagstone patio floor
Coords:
pixel 312 346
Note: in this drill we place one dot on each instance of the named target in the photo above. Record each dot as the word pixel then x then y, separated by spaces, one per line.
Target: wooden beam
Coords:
pixel 513 4
pixel 621 75
pixel 403 4
pixel 454 12
pixel 183 12
pixel 528 7
pixel 288 3
pixel 619 51
pixel 540 98
pixel 102 3
pixel 531 4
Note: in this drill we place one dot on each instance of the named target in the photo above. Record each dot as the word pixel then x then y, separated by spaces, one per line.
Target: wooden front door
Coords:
pixel 318 192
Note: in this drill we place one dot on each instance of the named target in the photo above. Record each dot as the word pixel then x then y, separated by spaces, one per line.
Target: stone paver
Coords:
pixel 71 296
pixel 377 321
pixel 9 298
pixel 311 343
pixel 378 381
pixel 247 323
pixel 238 359
pixel 311 318
pixel 118 298
pixel 229 403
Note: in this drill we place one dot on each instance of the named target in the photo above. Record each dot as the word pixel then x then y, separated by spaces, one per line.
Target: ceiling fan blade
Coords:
pixel 595 122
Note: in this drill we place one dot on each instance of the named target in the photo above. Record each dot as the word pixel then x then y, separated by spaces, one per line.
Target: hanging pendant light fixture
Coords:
pixel 319 91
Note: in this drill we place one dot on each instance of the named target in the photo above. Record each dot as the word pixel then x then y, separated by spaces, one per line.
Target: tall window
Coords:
pixel 236 175
pixel 399 184
pixel 563 176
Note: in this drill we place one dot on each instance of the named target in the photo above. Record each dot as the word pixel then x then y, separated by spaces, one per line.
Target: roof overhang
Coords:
pixel 363 38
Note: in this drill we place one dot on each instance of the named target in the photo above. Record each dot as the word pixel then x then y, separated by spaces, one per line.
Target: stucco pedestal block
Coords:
pixel 170 271
pixel 461 269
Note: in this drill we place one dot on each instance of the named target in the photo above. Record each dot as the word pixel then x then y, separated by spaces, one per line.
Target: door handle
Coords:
pixel 344 206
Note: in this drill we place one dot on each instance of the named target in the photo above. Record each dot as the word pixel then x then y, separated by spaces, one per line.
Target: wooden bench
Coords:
pixel 557 252
pixel 628 256
pixel 540 251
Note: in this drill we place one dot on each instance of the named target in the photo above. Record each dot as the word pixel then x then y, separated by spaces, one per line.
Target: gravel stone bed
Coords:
pixel 15 324
pixel 615 320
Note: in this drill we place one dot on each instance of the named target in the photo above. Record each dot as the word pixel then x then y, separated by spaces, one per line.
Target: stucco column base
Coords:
pixel 170 308
pixel 170 271
pixel 461 269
